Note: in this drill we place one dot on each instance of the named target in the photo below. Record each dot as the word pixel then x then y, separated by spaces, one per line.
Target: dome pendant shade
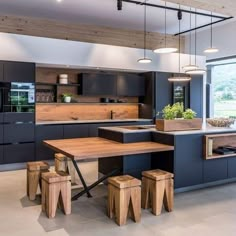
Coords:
pixel 144 60
pixel 179 79
pixel 165 50
pixel 190 67
pixel 211 50
pixel 196 72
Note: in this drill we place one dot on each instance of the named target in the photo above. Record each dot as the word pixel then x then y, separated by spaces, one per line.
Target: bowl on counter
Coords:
pixel 220 122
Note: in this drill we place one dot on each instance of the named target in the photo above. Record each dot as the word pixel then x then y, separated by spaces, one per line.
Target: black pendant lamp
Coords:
pixel 211 49
pixel 190 66
pixel 179 77
pixel 197 71
pixel 145 59
pixel 165 49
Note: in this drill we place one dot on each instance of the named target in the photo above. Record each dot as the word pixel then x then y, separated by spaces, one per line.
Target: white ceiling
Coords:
pixel 99 12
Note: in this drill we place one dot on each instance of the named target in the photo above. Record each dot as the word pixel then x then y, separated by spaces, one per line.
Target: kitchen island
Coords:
pixel 187 162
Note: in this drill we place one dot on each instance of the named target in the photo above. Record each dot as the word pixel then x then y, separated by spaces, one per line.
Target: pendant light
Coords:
pixel 211 49
pixel 165 49
pixel 179 77
pixel 190 66
pixel 197 71
pixel 145 59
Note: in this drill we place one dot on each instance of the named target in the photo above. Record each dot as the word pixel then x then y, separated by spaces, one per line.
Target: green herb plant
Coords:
pixel 189 114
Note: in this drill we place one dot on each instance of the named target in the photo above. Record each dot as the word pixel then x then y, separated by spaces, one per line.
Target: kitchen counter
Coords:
pixel 51 122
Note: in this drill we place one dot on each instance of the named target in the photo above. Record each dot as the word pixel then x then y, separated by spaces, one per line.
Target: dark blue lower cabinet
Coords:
pixel 1 155
pixel 215 170
pixel 17 153
pixel 188 160
pixel 232 167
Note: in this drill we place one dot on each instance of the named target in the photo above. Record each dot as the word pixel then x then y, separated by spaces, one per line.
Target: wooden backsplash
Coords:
pixel 54 112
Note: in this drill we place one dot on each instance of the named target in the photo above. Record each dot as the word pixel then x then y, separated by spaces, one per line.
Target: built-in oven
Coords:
pixel 17 97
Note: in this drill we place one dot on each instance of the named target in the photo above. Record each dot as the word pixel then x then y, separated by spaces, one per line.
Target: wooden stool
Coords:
pixel 63 163
pixel 124 196
pixel 56 188
pixel 34 171
pixel 157 187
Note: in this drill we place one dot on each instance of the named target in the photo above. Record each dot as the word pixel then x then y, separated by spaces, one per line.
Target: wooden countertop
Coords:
pixel 93 148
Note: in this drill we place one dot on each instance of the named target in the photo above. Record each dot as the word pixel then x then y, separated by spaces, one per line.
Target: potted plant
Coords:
pixel 176 119
pixel 66 97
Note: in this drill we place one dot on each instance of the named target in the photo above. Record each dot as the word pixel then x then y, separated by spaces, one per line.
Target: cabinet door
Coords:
pixel 188 160
pixel 1 155
pixel 17 153
pixel 47 132
pixel 232 167
pixel 98 84
pixel 131 85
pixel 215 170
pixel 19 72
pixel 25 117
pixel 75 131
pixel 1 72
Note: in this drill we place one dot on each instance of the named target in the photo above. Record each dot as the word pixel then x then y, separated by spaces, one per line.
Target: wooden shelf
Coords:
pixel 57 84
pixel 218 140
pixel 89 103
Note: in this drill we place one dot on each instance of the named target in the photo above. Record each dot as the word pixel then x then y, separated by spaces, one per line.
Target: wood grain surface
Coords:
pixel 92 148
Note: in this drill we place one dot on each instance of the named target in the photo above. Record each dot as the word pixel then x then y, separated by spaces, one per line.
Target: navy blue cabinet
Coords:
pixel 1 155
pixel 76 131
pixel 95 84
pixel 188 162
pixel 132 85
pixel 19 72
pixel 46 132
pixel 1 72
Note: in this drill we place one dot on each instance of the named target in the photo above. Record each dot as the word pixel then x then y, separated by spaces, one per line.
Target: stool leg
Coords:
pixel 66 197
pixel 158 195
pixel 145 193
pixel 43 196
pixel 33 182
pixel 169 195
pixel 71 171
pixel 135 204
pixel 52 196
pixel 122 198
pixel 60 165
pixel 111 201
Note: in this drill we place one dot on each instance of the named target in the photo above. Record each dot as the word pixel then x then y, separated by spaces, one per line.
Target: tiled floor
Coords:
pixel 202 213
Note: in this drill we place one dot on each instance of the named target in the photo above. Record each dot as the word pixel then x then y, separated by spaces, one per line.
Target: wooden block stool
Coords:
pixel 157 188
pixel 63 163
pixel 56 188
pixel 34 171
pixel 124 197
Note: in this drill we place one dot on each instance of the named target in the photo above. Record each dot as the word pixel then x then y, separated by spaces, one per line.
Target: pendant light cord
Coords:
pixel 195 36
pixel 190 38
pixel 145 30
pixel 179 18
pixel 165 24
pixel 211 32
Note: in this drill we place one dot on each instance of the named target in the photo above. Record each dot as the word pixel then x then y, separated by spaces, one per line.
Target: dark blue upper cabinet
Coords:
pixel 132 85
pixel 94 84
pixel 19 72
pixel 1 72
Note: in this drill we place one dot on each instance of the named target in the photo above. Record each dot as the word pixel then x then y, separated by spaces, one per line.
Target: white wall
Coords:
pixel 224 36
pixel 79 54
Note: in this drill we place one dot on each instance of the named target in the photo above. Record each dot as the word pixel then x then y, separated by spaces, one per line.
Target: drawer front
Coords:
pixel 19 117
pixel 75 131
pixel 18 153
pixel 16 133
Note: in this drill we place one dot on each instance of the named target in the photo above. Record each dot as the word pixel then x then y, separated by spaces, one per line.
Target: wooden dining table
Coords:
pixel 80 149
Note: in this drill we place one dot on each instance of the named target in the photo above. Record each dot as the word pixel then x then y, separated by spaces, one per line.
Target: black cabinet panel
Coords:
pixel 15 133
pixel 19 72
pixel 1 72
pixel 75 131
pixel 215 170
pixel 19 117
pixel 1 133
pixel 18 153
pixel 46 132
pixel 188 160
pixel 97 84
pixel 1 155
pixel 232 167
pixel 130 85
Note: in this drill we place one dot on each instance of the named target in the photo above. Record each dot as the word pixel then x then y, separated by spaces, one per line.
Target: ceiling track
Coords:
pixel 220 18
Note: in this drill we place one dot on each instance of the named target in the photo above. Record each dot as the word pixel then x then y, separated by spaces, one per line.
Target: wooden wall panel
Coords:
pixel 51 112
pixel 84 33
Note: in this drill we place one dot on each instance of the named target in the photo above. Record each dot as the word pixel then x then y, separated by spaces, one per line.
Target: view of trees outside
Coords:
pixel 224 90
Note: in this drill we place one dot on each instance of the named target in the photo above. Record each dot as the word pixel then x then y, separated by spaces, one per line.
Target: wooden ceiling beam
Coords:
pixel 84 33
pixel 226 7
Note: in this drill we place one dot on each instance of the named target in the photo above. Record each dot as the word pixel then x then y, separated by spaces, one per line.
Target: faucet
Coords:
pixel 112 114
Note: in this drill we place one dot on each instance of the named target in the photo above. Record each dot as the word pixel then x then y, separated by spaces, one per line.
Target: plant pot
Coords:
pixel 67 99
pixel 179 124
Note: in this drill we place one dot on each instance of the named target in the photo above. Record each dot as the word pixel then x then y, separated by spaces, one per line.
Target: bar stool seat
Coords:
pixel 56 192
pixel 34 171
pixel 157 188
pixel 124 197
